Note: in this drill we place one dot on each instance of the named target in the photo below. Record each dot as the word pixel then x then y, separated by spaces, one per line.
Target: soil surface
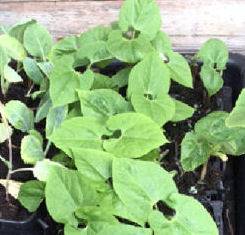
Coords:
pixel 12 209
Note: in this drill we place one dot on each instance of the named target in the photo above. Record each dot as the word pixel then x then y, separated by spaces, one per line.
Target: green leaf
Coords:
pixel 65 192
pixel 132 130
pixel 43 108
pixel 42 169
pixel 92 45
pixel 182 111
pixel 142 15
pixel 190 218
pixel 102 82
pixel 160 110
pixel 68 45
pixel 179 69
pixel 19 116
pixel 54 118
pixel 195 151
pixel 149 77
pixel 123 229
pixel 31 194
pixel 214 55
pixel 120 79
pixel 93 164
pixel 5 132
pixel 69 230
pixel 45 67
pixel 211 79
pixel 102 103
pixel 13 47
pixel 128 50
pixel 214 52
pixel 11 75
pixel 4 59
pixel 213 128
pixel 64 81
pixel 237 116
pixel 162 43
pixel 37 41
pixel 148 86
pixel 32 70
pixel 31 149
pixel 141 183
pixel 85 132
pixel 17 31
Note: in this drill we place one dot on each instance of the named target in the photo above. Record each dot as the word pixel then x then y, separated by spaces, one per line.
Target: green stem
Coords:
pixel 47 148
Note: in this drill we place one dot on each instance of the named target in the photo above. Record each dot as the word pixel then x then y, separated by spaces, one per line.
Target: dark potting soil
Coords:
pixel 12 209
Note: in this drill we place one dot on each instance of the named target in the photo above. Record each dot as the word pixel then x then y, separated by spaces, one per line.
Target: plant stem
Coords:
pixel 10 159
pixel 20 170
pixel 47 148
pixel 204 171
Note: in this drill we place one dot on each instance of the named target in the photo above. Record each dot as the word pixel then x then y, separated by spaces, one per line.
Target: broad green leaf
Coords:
pixel 160 109
pixel 11 75
pixel 150 77
pixel 213 128
pixel 43 108
pixel 32 70
pixel 13 47
pixel 123 229
pixel 148 86
pixel 5 132
pixel 179 69
pixel 214 55
pixel 4 59
pixel 214 52
pixel 190 218
pixel 84 132
pixel 120 79
pixel 132 130
pixel 128 50
pixel 237 117
pixel 42 170
pixel 19 115
pixel 141 183
pixel 54 118
pixel 65 45
pixel 102 82
pixel 211 79
pixel 65 192
pixel 65 81
pixel 102 103
pixel 162 43
pixel 195 151
pixel 141 15
pixel 37 41
pixel 182 111
pixel 69 230
pixel 45 67
pixel 93 164
pixel 17 31
pixel 31 194
pixel 96 214
pixel 31 149
pixel 92 45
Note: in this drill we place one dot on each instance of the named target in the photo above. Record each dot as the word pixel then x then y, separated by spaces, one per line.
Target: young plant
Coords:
pixel 105 178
